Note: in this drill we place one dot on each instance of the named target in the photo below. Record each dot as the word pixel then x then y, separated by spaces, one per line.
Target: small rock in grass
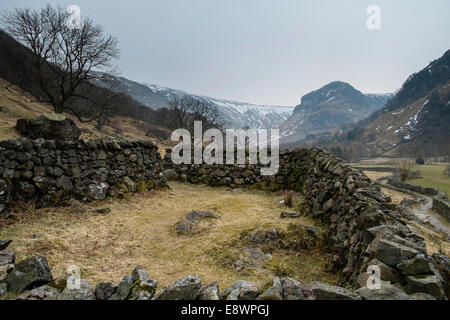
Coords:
pixel 102 211
pixel 289 214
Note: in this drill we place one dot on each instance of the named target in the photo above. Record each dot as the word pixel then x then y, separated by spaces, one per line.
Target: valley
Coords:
pixel 117 189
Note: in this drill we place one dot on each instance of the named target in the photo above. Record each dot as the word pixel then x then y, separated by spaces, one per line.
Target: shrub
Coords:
pixel 420 161
pixel 288 199
pixel 403 168
pixel 447 170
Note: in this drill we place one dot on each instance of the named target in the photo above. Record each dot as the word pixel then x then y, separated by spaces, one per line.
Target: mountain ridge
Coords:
pixel 413 123
pixel 236 114
pixel 329 107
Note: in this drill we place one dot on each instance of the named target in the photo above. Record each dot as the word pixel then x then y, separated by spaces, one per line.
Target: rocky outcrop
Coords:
pixel 53 126
pixel 48 172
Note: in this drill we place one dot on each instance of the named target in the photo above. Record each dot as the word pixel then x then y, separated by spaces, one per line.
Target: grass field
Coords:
pixel 431 176
pixel 139 230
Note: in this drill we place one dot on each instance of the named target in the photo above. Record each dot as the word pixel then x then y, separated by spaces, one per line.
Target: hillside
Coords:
pixel 16 103
pixel 17 68
pixel 328 108
pixel 414 123
pixel 236 114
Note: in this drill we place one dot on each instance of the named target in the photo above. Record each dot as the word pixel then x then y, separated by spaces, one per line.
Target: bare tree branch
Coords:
pixel 65 58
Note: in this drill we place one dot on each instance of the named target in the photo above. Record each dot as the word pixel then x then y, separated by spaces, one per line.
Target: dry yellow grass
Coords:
pixel 374 175
pixel 396 196
pixel 436 243
pixel 22 105
pixel 140 231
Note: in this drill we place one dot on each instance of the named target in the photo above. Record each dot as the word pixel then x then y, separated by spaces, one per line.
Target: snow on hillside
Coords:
pixel 236 114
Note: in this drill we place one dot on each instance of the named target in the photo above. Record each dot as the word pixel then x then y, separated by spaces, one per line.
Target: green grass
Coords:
pixel 432 177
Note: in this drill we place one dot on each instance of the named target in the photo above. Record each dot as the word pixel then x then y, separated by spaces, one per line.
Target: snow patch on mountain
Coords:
pixel 236 114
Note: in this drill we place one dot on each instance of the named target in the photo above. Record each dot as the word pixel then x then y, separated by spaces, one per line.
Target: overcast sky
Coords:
pixel 268 51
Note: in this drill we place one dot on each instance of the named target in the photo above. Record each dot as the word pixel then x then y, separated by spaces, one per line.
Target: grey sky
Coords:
pixel 268 51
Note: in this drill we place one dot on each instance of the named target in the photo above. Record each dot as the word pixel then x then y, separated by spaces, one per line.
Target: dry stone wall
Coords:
pixel 365 228
pixel 32 279
pixel 48 172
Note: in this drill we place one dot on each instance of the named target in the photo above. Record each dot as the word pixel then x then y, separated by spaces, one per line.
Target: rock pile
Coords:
pixel 31 279
pixel 192 220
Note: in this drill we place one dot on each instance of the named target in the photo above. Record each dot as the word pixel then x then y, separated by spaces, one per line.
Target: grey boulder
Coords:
pixel 83 292
pixel 4 244
pixel 45 292
pixel 28 274
pixel 123 289
pixel 417 265
pixel 209 292
pixel 240 290
pixel 144 287
pixel 6 258
pixel 98 191
pixel 429 284
pixel 293 290
pixel 392 253
pixel 186 288
pixel 323 291
pixel 386 292
pixel 104 290
pixel 272 290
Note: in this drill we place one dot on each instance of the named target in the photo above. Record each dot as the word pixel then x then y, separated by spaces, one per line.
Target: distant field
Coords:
pixel 432 176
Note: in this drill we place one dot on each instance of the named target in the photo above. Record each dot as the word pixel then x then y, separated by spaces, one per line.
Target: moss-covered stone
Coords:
pixel 122 188
pixel 141 186
pixel 151 184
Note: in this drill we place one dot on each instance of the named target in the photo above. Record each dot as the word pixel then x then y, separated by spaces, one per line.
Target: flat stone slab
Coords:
pixel 289 214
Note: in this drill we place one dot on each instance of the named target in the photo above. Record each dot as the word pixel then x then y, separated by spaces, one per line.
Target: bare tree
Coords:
pixel 404 168
pixel 185 110
pixel 65 58
pixel 100 104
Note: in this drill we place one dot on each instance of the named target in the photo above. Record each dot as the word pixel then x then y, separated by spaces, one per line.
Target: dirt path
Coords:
pixel 424 213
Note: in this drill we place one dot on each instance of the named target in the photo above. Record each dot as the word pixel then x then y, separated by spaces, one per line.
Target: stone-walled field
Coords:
pixel 364 228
